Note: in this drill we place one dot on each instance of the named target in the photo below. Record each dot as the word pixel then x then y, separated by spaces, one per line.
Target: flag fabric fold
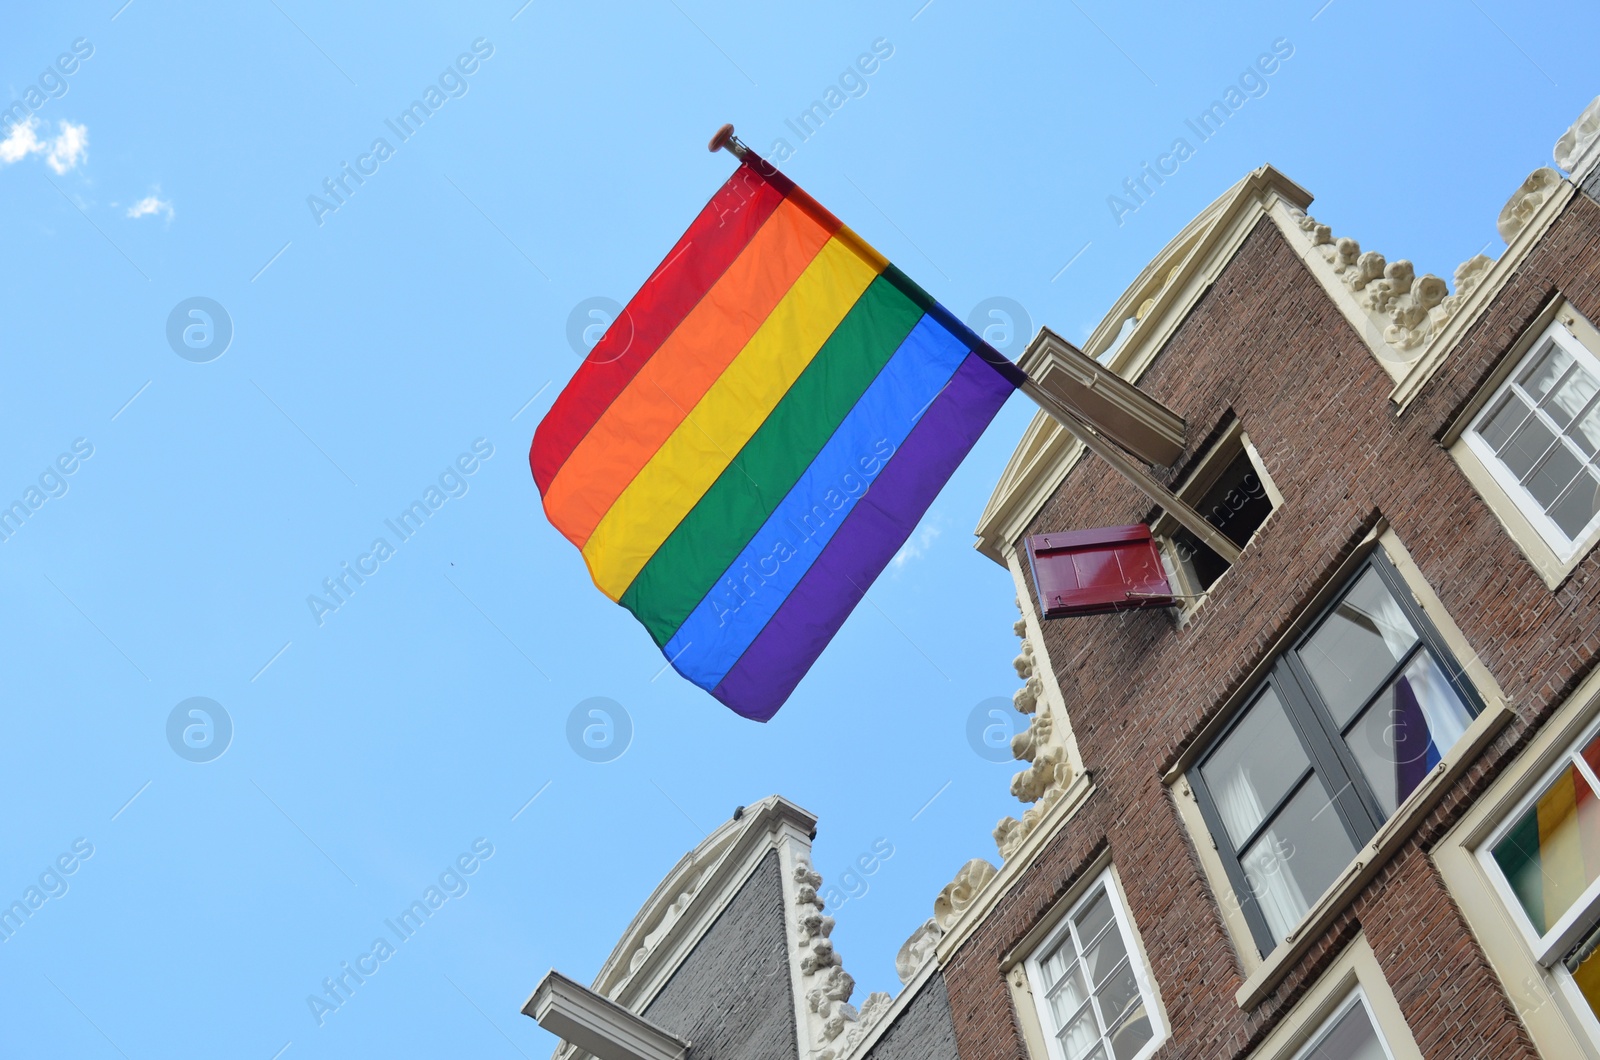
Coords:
pixel 758 433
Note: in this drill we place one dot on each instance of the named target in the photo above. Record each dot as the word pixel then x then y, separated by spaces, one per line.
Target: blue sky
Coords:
pixel 373 346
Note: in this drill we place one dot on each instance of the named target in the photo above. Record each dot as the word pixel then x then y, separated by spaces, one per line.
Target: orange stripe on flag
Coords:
pixel 673 381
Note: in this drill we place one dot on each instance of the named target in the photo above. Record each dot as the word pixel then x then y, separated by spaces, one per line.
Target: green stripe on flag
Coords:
pixel 711 536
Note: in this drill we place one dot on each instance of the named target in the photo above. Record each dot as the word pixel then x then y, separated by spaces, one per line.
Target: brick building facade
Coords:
pixel 1337 799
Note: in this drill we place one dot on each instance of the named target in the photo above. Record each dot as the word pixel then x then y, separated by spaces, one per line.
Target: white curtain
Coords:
pixel 1446 717
pixel 1280 897
pixel 1388 620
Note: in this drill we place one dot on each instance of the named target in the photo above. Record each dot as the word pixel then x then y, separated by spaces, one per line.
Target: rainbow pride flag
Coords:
pixel 756 435
pixel 1551 856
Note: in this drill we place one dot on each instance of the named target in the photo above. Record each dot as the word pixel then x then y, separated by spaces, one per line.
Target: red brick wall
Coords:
pixel 1267 343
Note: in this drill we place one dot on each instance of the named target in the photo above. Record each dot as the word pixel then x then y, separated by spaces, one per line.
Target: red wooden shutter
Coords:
pixel 1089 572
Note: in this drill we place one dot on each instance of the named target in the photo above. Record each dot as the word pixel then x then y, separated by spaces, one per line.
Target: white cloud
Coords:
pixel 68 148
pixel 917 546
pixel 62 154
pixel 21 142
pixel 151 204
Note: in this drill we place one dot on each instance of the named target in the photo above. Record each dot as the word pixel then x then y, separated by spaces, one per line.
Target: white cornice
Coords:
pixel 1160 298
pixel 688 901
pixel 590 1021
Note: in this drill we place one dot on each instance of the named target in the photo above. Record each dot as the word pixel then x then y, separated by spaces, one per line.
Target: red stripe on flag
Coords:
pixel 717 237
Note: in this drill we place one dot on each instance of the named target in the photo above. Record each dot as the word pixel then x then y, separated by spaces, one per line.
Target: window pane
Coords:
pixel 1237 504
pixel 1134 1034
pixel 1056 965
pixel 1104 956
pixel 1119 992
pixel 1356 646
pixel 1551 364
pixel 1352 1038
pixel 1553 475
pixel 1552 854
pixel 1587 976
pixel 1570 396
pixel 1068 998
pixel 1296 859
pixel 1586 434
pixel 1254 767
pixel 1407 730
pixel 1092 918
pixel 1577 506
pixel 1497 428
pixel 1081 1036
pixel 1523 451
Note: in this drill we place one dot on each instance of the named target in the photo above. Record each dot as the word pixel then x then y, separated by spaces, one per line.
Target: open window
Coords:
pixel 1230 488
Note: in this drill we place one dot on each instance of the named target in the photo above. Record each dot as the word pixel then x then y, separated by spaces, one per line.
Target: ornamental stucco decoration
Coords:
pixel 1576 141
pixel 1406 310
pixel 835 1026
pixel 917 950
pixel 1050 769
pixel 1525 202
pixel 664 925
pixel 959 894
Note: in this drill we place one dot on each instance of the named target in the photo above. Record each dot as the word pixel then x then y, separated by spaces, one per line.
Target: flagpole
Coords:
pixel 1130 470
pixel 724 140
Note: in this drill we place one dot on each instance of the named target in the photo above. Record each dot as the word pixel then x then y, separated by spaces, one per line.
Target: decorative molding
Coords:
pixel 1057 816
pixel 1051 758
pixel 686 903
pixel 592 1022
pixel 829 1026
pixel 917 950
pixel 1469 301
pixel 876 1018
pixel 960 893
pixel 1573 151
pixel 1520 210
pixel 1395 310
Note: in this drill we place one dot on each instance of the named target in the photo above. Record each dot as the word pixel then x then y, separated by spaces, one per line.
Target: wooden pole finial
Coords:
pixel 724 140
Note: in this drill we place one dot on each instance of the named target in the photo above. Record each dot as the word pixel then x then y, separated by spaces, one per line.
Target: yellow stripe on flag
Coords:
pixel 714 431
pixel 1560 857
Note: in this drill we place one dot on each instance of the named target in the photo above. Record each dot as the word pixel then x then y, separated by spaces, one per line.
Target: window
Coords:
pixel 1351 1033
pixel 1538 436
pixel 1090 984
pixel 1348 722
pixel 1230 490
pixel 1545 862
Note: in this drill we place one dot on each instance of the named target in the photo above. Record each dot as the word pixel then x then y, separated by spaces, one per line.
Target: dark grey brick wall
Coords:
pixel 731 997
pixel 924 1030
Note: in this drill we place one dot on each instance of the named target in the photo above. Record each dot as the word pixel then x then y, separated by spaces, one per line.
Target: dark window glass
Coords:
pixel 1237 503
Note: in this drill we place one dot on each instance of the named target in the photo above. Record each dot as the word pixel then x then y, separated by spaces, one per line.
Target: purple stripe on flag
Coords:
pixel 757 685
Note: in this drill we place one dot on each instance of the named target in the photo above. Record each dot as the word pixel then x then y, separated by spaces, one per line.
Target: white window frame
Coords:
pixel 1141 971
pixel 1549 948
pixel 1356 997
pixel 1554 537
